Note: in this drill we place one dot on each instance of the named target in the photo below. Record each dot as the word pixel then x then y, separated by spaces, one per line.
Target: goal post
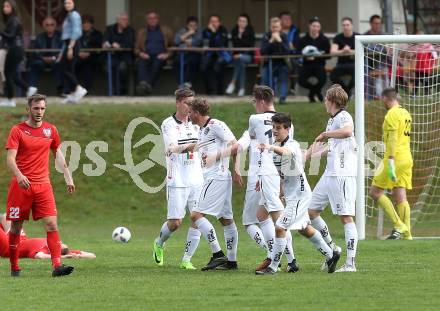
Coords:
pixel 392 60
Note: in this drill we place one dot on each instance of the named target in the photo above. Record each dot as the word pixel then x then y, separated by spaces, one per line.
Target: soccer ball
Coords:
pixel 121 234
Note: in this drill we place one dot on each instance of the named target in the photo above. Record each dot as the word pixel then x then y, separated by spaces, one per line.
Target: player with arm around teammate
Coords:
pixel 28 147
pixel 395 171
pixel 184 177
pixel 338 183
pixel 288 159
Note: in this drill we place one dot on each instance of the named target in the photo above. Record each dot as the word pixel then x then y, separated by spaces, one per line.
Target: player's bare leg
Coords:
pixel 403 210
pixel 231 241
pixel 54 245
pixel 399 228
pixel 207 229
pixel 14 243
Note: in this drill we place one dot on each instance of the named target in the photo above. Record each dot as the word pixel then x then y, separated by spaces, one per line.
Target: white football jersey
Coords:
pixel 254 154
pixel 291 170
pixel 342 153
pixel 183 169
pixel 214 137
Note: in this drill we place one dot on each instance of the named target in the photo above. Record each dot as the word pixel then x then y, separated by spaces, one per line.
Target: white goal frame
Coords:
pixel 360 41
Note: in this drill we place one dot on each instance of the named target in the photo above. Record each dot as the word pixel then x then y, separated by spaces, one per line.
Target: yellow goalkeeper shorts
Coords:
pixel 403 173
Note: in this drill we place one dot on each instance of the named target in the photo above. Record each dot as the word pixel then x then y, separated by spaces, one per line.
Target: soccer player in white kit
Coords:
pixel 184 177
pixel 289 160
pixel 338 183
pixel 216 195
pixel 270 205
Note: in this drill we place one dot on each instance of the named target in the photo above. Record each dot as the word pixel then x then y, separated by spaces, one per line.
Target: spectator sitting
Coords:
pixel 275 43
pixel 243 36
pixel 88 62
pixel 292 33
pixel 214 63
pixel 343 43
pixel 120 35
pixel 151 47
pixel 189 36
pixel 49 39
pixel 313 44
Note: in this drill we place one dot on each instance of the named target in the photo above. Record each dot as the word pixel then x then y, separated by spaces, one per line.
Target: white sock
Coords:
pixel 279 247
pixel 192 241
pixel 164 234
pixel 321 246
pixel 319 224
pixel 208 231
pixel 255 233
pixel 351 240
pixel 288 252
pixel 231 240
pixel 268 228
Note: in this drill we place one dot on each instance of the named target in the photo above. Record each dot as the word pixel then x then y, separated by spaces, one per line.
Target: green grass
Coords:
pixel 392 275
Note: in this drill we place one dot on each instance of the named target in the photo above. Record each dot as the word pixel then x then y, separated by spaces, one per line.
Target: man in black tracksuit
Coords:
pixel 313 66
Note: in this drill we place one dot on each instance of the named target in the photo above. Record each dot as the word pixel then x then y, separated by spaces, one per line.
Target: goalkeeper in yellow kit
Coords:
pixel 395 171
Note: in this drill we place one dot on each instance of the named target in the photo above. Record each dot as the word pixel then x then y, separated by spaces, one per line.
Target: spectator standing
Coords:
pixel 39 61
pixel 214 63
pixel 343 44
pixel 72 32
pixel 120 35
pixel 88 62
pixel 311 45
pixel 189 36
pixel 151 46
pixel 243 36
pixel 12 35
pixel 292 33
pixel 275 43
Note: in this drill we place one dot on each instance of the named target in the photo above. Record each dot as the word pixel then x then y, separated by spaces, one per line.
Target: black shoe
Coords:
pixel 312 98
pixel 282 101
pixel 143 88
pixel 62 271
pixel 332 262
pixel 320 97
pixel 15 273
pixel 394 235
pixel 214 262
pixel 292 267
pixel 229 265
pixel 267 271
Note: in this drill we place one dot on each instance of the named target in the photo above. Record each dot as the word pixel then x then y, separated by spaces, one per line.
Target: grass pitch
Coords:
pixel 392 275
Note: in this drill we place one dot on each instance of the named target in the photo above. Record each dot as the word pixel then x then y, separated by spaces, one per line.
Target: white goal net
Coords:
pixel 411 65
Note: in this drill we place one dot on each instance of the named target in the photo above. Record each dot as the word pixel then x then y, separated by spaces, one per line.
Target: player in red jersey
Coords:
pixel 28 147
pixel 34 248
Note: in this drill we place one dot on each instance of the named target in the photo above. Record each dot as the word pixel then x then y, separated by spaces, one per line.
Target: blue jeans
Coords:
pixel 280 79
pixel 149 70
pixel 240 69
pixel 38 66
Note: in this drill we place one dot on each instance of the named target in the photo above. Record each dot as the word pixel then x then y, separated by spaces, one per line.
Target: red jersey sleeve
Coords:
pixel 13 138
pixel 56 142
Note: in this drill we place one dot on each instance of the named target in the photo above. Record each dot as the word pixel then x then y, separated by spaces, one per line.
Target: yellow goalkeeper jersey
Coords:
pixel 398 119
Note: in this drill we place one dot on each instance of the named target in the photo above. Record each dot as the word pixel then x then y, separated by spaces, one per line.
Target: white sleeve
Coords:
pixel 252 126
pixel 222 131
pixel 345 119
pixel 169 135
pixel 245 140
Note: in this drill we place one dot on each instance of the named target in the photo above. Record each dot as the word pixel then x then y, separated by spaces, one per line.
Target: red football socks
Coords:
pixel 54 244
pixel 14 242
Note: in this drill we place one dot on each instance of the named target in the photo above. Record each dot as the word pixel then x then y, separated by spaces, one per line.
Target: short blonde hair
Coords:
pixel 337 95
pixel 274 20
pixel 200 105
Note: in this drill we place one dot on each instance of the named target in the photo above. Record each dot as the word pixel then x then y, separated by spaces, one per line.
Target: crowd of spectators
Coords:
pixel 147 50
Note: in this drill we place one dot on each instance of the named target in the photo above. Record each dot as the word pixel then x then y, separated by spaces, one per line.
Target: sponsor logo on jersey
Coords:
pixel 47 132
pixel 206 131
pixel 267 122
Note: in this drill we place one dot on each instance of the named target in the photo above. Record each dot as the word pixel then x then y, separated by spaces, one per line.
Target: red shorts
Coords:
pixel 38 197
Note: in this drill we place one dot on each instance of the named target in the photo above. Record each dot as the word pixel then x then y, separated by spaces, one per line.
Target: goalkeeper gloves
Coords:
pixel 392 170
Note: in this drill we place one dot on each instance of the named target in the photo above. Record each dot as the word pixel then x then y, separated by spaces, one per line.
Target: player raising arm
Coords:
pixel 297 193
pixel 184 177
pixel 338 183
pixel 395 171
pixel 28 147
pixel 216 194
